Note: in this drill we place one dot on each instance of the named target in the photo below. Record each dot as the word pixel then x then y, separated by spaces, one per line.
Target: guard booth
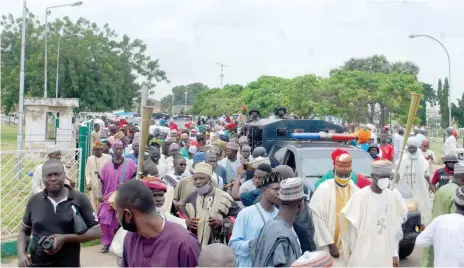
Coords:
pixel 266 132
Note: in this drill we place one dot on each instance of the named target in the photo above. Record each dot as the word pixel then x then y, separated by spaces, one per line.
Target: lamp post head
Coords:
pixel 412 36
pixel 78 3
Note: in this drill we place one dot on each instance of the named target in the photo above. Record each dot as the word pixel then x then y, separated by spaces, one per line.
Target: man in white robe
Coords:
pixel 92 173
pixel 369 222
pixel 415 177
pixel 326 204
pixel 37 181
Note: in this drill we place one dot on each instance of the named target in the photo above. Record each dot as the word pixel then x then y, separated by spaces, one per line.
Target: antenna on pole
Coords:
pixel 221 75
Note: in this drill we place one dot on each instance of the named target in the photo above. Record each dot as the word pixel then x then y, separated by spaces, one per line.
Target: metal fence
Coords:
pixel 16 171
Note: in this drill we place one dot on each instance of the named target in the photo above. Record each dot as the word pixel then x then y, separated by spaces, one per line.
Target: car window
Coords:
pixel 278 156
pixel 316 163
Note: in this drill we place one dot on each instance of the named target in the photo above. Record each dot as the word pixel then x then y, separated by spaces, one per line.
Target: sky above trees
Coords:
pixel 277 38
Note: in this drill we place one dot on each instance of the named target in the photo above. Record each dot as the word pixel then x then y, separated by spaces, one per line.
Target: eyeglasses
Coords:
pixel 183 164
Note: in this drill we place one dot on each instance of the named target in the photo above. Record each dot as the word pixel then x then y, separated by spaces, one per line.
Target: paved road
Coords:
pixel 413 260
pixel 91 257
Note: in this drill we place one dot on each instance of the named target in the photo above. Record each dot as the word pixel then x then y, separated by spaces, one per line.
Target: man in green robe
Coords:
pixel 444 204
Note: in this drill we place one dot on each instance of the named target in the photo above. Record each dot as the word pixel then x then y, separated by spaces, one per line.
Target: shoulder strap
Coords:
pixel 123 170
pixel 260 213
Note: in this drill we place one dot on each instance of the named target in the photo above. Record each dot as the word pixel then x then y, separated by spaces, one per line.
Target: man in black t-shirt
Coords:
pixel 51 214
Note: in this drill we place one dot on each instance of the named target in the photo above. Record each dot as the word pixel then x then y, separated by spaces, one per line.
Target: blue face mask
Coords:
pixel 374 155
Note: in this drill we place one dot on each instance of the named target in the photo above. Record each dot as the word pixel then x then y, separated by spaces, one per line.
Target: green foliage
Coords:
pixel 96 66
pixel 457 111
pixel 218 101
pixel 179 95
pixel 429 97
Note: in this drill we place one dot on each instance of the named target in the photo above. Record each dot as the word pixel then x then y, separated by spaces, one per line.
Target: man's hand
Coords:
pixel 396 262
pixel 215 222
pixel 192 224
pixel 334 251
pixel 59 240
pixel 24 260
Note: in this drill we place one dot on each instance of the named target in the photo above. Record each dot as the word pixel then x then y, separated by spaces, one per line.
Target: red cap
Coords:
pixel 155 185
pixel 193 143
pixel 336 153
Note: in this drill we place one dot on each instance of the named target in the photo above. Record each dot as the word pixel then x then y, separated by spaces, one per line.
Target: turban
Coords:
pixel 343 163
pixel 413 141
pixel 382 167
pixel 155 185
pixel 459 199
pixel 203 168
pixel 233 146
pixel 220 144
pixel 336 153
pixel 117 142
pixel 99 145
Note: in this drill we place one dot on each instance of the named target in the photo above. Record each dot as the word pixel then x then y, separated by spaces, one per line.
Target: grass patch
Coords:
pixel 8 136
pixel 91 243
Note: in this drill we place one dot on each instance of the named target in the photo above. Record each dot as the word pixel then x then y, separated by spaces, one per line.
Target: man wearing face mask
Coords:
pixel 374 151
pixel 149 235
pixel 370 222
pixel 326 204
pixel 210 212
pixel 443 176
pixel 443 203
pixel 414 176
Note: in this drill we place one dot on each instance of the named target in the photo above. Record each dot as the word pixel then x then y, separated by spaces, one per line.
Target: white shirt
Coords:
pixel 450 144
pixel 247 186
pixel 446 234
pixel 397 143
pixel 230 167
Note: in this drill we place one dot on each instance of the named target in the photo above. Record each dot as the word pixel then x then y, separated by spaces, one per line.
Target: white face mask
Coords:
pixel 204 189
pixel 383 183
pixel 159 209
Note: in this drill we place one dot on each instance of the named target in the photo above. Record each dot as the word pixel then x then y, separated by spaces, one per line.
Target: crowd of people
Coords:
pixel 206 199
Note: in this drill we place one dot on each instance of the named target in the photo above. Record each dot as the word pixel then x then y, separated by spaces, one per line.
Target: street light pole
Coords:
pixel 412 36
pixel 185 104
pixel 19 140
pixel 78 3
pixel 58 62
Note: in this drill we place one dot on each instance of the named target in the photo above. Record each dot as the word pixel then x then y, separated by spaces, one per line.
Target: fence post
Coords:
pixel 84 145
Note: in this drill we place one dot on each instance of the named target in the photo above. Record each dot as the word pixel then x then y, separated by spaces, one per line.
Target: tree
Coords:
pixel 379 64
pixel 457 111
pixel 97 67
pixel 429 97
pixel 445 112
pixel 218 101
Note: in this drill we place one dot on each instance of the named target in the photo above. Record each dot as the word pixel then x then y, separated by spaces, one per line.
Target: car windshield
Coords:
pixel 316 163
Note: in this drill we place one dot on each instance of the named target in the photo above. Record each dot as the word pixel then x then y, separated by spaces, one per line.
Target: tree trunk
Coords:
pixel 383 118
pixel 371 113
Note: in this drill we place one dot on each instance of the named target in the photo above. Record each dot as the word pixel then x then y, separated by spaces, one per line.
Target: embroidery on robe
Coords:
pixel 381 223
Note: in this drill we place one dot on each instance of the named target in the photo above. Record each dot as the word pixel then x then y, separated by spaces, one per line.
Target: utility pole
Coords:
pixel 185 104
pixel 221 75
pixel 19 141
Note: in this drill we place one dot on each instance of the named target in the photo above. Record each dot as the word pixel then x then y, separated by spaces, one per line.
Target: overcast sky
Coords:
pixel 281 38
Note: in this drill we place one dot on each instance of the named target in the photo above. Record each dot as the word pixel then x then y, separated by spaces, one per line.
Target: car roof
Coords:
pixel 327 145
